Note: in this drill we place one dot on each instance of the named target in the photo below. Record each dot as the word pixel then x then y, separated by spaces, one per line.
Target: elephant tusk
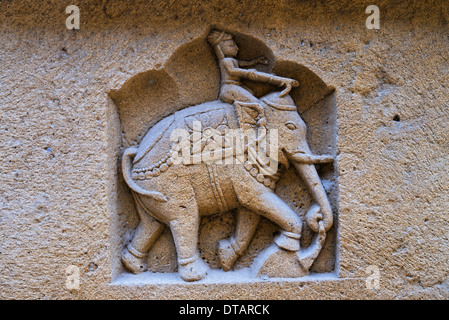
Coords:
pixel 311 159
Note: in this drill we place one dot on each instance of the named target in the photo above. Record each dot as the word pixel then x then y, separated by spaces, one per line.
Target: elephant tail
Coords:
pixel 126 168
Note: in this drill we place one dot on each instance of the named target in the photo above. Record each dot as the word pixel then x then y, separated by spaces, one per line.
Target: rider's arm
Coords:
pixel 252 74
pixel 246 63
pixel 254 62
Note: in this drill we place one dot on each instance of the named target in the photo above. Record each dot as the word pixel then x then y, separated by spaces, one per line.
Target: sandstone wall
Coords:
pixel 61 193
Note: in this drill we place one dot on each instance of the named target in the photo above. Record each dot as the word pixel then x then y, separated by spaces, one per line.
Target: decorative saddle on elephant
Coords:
pixel 205 129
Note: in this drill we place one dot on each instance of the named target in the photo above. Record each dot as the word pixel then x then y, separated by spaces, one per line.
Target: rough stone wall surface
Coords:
pixel 60 137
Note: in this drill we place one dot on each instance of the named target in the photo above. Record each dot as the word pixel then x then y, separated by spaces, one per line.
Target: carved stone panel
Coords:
pixel 147 154
pixel 228 165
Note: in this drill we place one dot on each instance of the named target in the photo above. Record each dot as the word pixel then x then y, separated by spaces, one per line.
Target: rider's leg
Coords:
pixel 230 93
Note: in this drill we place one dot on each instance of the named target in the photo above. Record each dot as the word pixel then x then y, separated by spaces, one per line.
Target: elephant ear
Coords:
pixel 189 121
pixel 251 115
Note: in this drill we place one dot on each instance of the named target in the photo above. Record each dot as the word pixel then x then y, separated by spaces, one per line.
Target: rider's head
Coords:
pixel 223 43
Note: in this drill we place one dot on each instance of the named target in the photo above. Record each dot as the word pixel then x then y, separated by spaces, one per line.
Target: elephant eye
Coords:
pixel 290 125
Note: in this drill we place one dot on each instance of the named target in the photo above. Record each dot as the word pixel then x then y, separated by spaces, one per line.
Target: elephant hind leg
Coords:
pixel 147 232
pixel 185 235
pixel 229 250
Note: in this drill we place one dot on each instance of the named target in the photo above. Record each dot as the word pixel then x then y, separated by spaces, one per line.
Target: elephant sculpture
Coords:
pixel 178 194
pixel 177 191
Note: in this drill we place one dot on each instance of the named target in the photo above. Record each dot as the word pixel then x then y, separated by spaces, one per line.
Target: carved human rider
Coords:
pixel 232 72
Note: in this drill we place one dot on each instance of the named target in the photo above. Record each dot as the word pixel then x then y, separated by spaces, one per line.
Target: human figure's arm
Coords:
pixel 254 75
pixel 251 63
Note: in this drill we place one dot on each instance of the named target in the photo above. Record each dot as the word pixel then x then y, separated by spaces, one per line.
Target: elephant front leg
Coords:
pixel 229 250
pixel 270 206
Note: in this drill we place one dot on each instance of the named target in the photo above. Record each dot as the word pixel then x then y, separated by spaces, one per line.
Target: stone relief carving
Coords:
pixel 222 155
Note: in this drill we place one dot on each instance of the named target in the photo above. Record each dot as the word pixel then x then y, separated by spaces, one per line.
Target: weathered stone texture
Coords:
pixel 61 136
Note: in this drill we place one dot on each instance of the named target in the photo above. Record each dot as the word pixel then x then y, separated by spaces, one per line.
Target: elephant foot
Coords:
pixel 134 260
pixel 192 269
pixel 288 241
pixel 226 254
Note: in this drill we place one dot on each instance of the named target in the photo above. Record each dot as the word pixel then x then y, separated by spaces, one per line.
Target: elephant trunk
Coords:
pixel 126 168
pixel 323 208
